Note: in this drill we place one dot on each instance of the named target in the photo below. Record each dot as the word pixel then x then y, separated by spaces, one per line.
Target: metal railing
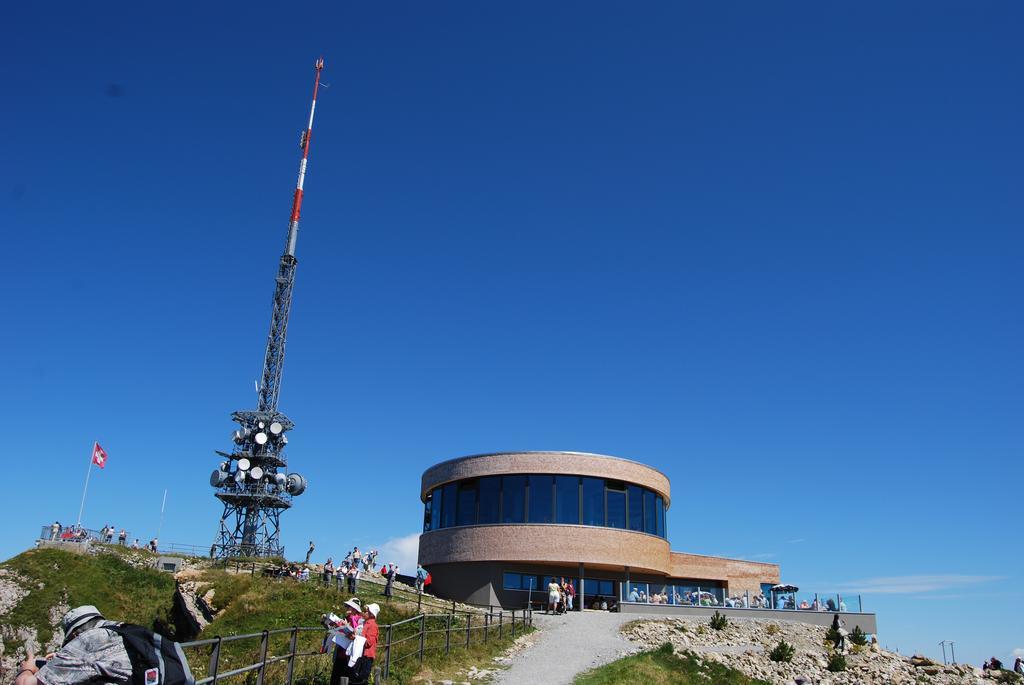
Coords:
pixel 77 534
pixel 694 595
pixel 274 655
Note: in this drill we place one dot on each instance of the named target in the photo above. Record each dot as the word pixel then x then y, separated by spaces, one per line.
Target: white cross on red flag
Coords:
pixel 99 455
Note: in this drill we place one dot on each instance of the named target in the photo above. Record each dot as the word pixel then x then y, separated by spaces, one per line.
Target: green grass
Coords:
pixel 52 576
pixel 247 604
pixel 663 667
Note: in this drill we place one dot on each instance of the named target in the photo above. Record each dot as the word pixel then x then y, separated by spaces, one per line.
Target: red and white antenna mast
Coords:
pixel 254 484
pixel 293 225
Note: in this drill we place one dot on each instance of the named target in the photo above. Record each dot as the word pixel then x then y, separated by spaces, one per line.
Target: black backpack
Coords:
pixel 155 659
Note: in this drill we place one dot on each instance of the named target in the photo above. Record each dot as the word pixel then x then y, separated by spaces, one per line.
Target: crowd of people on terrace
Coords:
pixel 76 533
pixel 638 595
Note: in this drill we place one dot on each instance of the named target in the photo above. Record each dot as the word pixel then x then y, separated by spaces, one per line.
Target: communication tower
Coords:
pixel 252 481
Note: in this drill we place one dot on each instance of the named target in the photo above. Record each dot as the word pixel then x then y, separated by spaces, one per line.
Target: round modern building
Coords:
pixel 497 527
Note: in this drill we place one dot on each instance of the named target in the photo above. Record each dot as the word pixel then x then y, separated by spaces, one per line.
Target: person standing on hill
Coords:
pixel 364 664
pixel 328 570
pixel 122 536
pixel 421 577
pixel 570 594
pixel 389 574
pixel 353 577
pixel 554 593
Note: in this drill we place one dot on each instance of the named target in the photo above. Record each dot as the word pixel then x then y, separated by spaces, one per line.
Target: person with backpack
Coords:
pixel 389 573
pixel 421 577
pixel 98 650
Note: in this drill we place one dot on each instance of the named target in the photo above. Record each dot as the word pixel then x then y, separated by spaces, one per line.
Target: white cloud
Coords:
pixel 1019 652
pixel 796 541
pixel 899 585
pixel 763 555
pixel 403 551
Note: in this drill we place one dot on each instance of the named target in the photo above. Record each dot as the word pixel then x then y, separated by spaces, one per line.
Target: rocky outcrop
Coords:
pixel 745 644
pixel 193 608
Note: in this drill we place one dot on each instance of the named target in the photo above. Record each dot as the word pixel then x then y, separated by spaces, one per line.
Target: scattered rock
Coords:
pixel 743 645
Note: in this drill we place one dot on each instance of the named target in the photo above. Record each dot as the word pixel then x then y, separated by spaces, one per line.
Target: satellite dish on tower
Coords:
pixel 243 464
pixel 276 428
pixel 255 473
pixel 296 484
pixel 261 438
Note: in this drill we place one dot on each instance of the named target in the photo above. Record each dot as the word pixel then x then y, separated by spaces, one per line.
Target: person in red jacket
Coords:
pixel 364 666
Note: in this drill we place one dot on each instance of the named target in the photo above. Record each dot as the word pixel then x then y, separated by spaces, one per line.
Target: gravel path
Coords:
pixel 568 645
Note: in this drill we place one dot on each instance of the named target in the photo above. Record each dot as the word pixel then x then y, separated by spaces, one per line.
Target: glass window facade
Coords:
pixel 650 515
pixel 567 499
pixel 513 499
pixel 465 510
pixel 593 501
pixel 489 509
pixel 448 504
pixel 616 507
pixel 541 498
pixel 635 495
pixel 541 494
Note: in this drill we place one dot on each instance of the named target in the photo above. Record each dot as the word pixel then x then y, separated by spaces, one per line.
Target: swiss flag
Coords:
pixel 99 455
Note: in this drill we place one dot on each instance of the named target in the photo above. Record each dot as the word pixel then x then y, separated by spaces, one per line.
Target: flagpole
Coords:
pixel 86 488
pixel 162 505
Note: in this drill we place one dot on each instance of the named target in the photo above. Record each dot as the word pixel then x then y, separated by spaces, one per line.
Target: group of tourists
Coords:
pixel 76 533
pixel 995 664
pixel 561 595
pixel 354 639
pixel 107 533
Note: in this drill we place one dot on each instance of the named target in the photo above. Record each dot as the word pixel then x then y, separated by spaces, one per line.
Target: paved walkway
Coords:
pixel 568 645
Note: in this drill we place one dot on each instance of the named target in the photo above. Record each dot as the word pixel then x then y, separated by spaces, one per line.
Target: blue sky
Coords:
pixel 773 250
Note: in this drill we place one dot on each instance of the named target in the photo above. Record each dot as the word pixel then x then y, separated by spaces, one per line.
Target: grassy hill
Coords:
pixel 38 586
pixel 53 580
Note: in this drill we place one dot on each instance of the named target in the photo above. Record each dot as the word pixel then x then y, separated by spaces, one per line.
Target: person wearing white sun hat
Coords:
pixel 363 666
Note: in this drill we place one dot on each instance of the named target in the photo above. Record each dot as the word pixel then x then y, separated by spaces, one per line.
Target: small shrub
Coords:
pixel 858 637
pixel 718 621
pixel 837 662
pixel 772 629
pixel 782 652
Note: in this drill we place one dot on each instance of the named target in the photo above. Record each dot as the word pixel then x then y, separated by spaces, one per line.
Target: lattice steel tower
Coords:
pixel 252 481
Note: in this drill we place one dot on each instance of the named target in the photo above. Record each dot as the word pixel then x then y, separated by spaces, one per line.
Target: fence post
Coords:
pixel 513 623
pixel 487 623
pixel 423 634
pixel 253 569
pixel 291 654
pixel 419 602
pixel 263 657
pixel 387 654
pixel 469 621
pixel 501 621
pixel 447 633
pixel 215 659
